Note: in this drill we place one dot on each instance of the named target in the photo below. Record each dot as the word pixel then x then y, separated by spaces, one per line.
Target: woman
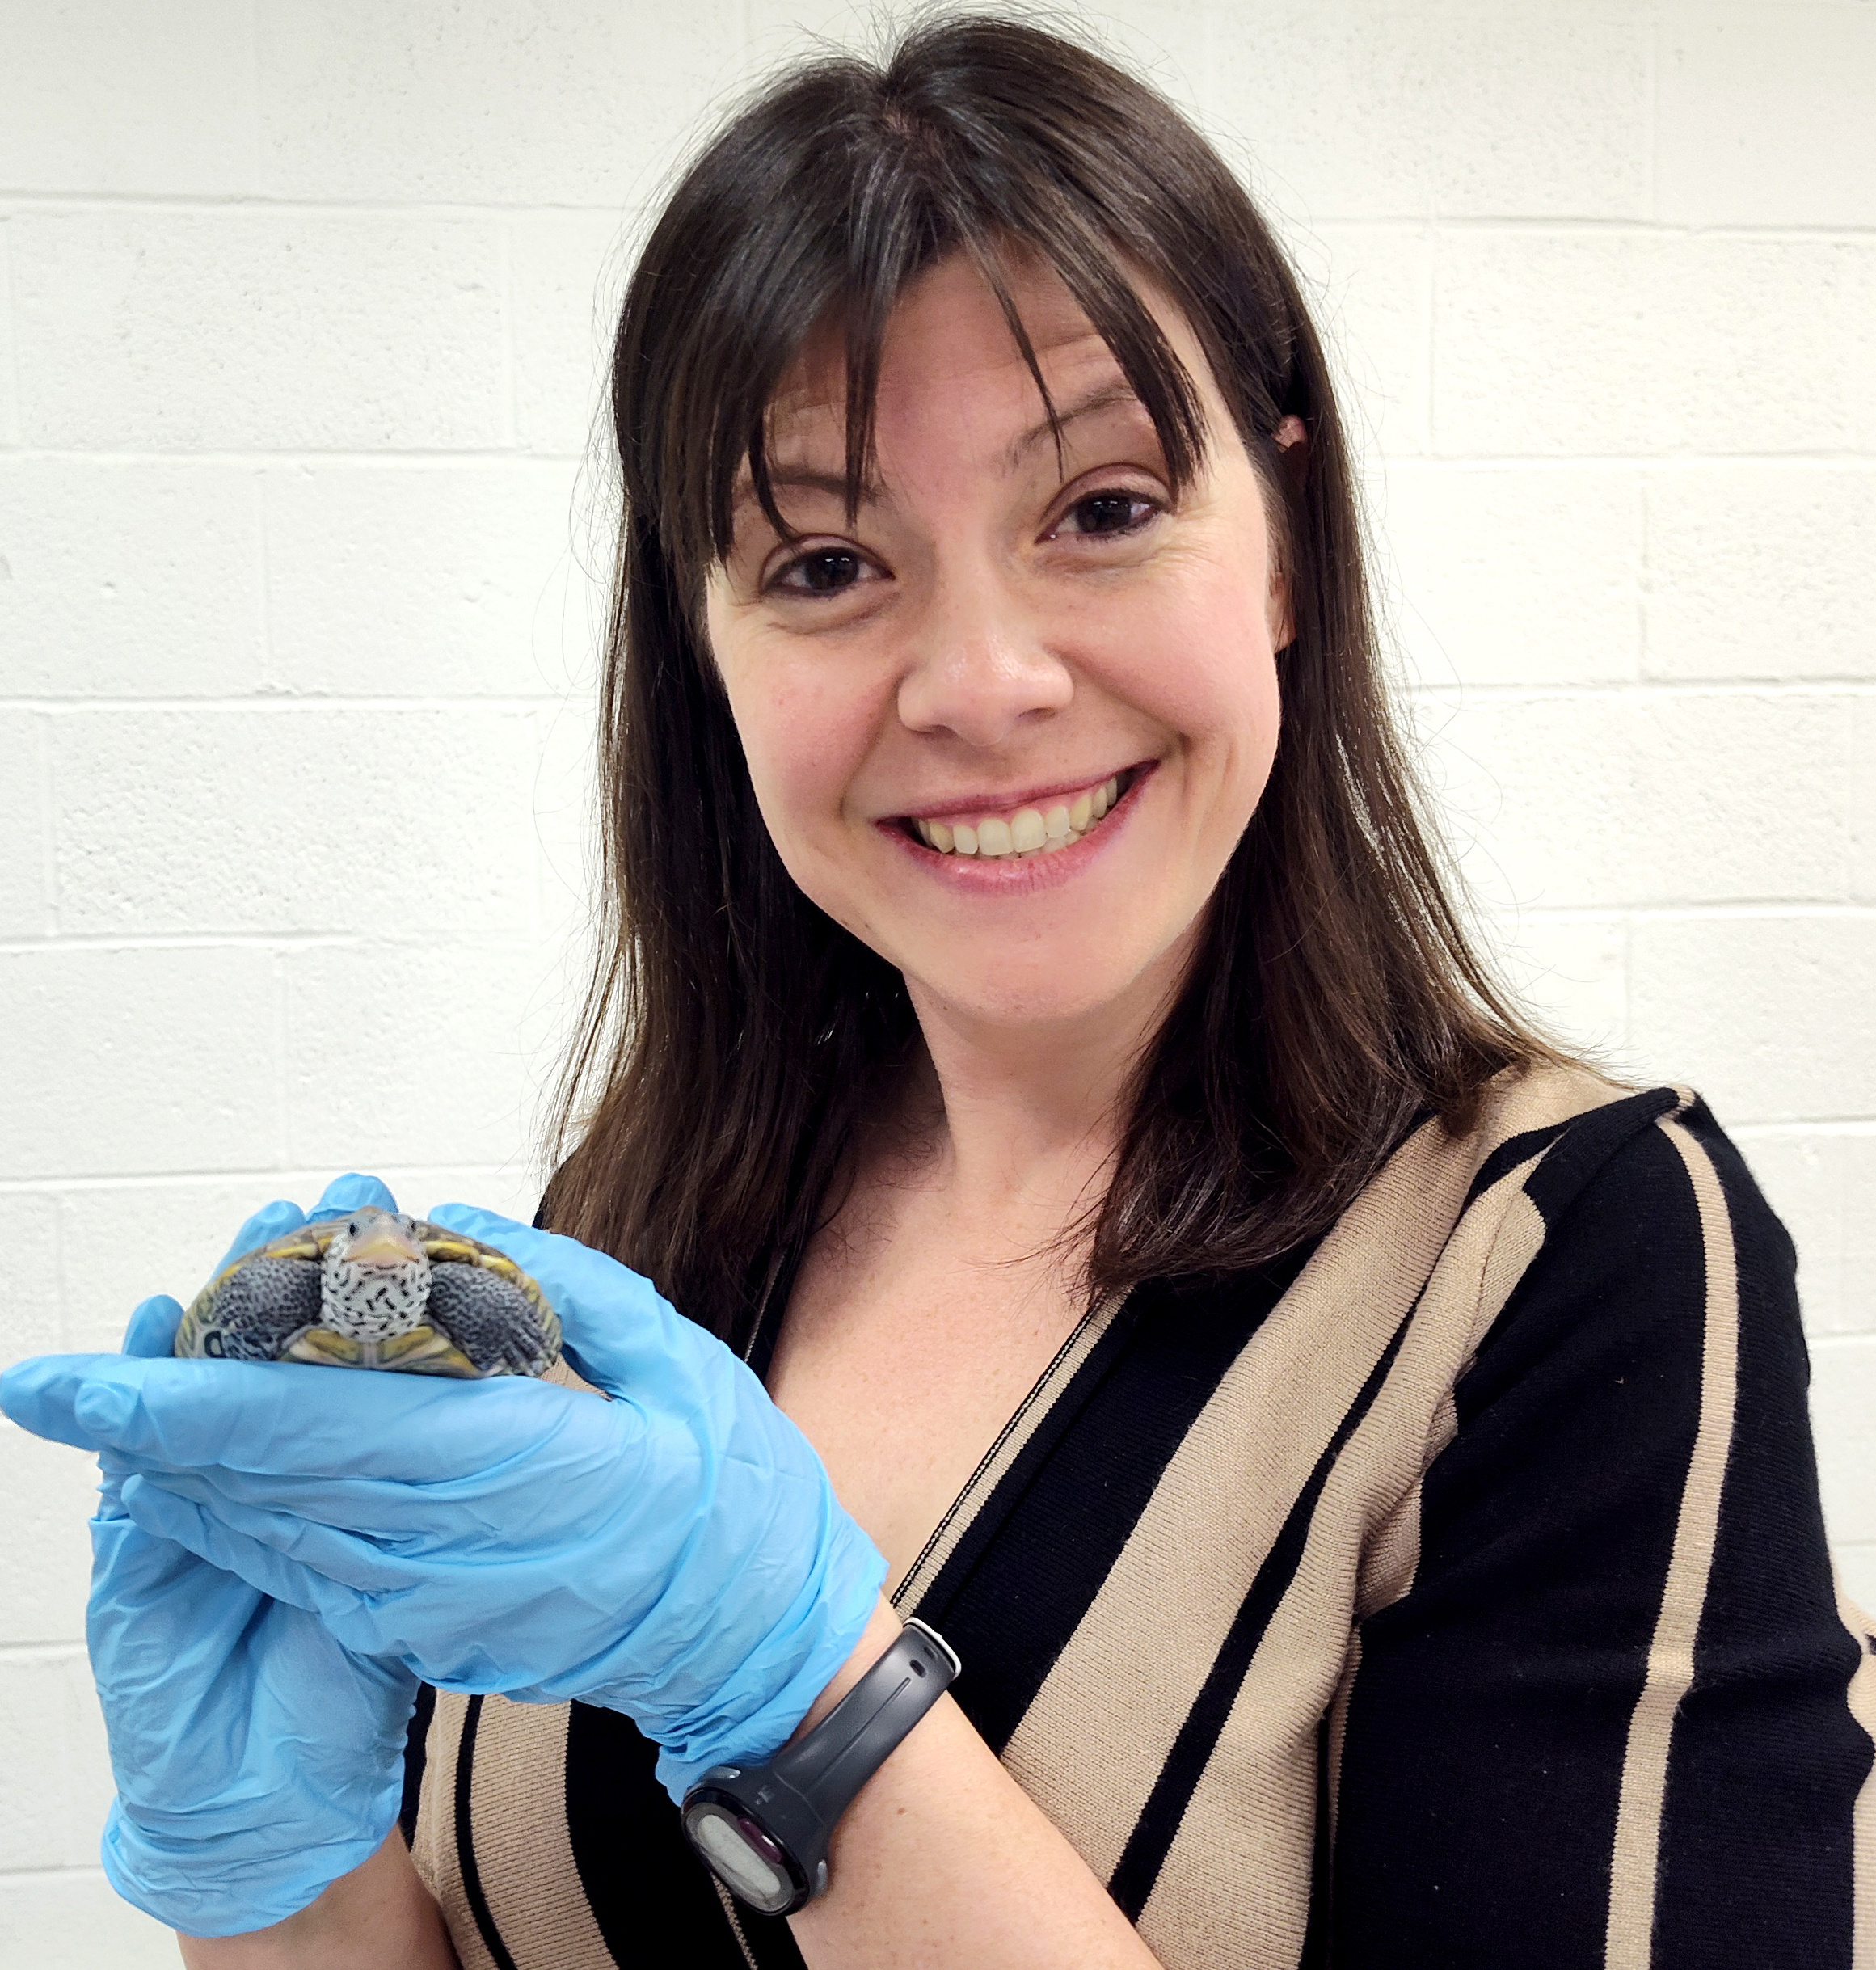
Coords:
pixel 1359 1456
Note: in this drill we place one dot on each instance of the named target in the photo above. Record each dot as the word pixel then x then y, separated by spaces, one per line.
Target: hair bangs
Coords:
pixel 826 246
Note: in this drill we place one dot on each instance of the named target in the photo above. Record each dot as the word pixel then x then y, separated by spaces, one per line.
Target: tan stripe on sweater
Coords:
pixel 434 1849
pixel 1638 1843
pixel 1233 1893
pixel 1863 1820
pixel 524 1853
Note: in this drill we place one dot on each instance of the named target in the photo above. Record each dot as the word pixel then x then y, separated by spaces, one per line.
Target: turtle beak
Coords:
pixel 386 1244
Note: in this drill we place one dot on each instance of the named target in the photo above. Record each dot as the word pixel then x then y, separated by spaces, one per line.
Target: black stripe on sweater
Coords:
pixel 1151 1838
pixel 1488 1726
pixel 1032 1561
pixel 1764 1737
pixel 478 1902
pixel 637 1869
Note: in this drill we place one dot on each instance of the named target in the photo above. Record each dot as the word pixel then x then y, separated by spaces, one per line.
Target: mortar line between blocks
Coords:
pixel 263 574
pixel 12 403
pixel 42 1651
pixel 48 873
pixel 1651 155
pixel 505 265
pixel 279 1059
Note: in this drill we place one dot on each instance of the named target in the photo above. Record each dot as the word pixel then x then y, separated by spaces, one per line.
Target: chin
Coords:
pixel 1033 990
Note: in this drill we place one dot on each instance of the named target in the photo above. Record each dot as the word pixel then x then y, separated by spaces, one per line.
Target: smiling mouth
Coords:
pixel 1025 831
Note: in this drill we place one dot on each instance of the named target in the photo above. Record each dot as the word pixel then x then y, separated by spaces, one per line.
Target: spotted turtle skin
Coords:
pixel 484 1316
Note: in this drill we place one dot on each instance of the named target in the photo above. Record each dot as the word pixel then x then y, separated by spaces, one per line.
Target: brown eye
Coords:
pixel 1105 514
pixel 825 571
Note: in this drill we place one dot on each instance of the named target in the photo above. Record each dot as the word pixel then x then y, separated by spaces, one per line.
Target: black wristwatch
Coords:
pixel 762 1829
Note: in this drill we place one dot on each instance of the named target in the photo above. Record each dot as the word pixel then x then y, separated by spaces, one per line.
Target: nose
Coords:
pixel 978 664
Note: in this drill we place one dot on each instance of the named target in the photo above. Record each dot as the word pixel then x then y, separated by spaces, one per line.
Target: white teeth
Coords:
pixel 1029 831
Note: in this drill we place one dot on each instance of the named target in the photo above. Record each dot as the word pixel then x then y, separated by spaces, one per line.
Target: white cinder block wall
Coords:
pixel 300 309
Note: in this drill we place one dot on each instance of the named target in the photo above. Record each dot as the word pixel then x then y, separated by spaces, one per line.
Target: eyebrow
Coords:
pixel 1103 397
pixel 804 478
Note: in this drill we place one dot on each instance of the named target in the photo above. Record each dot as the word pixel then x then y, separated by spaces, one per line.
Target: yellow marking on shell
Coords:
pixel 325 1348
pixel 424 1350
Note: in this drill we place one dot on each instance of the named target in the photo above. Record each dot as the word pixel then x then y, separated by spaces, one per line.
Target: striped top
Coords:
pixel 1451 1592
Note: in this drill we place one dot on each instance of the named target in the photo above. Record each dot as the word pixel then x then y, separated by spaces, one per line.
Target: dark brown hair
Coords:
pixel 734 1034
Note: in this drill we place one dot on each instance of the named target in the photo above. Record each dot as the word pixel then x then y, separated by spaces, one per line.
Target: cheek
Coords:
pixel 1197 655
pixel 805 740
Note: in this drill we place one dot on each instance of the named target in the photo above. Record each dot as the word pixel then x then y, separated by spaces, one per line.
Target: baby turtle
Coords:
pixel 376 1290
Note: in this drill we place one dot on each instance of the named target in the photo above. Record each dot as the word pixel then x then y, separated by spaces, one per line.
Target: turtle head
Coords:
pixel 375 1281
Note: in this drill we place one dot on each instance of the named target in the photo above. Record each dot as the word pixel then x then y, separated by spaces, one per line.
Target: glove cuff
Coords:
pixel 185 1884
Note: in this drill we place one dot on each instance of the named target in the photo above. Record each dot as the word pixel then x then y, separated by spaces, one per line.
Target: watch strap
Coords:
pixel 830 1764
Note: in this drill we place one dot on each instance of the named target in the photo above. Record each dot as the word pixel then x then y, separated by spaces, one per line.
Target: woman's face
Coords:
pixel 1002 640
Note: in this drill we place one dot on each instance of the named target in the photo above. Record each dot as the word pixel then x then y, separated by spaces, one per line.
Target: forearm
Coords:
pixel 379 1916
pixel 944 1860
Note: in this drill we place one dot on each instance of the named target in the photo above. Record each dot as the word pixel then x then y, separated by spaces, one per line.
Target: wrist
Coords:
pixel 883 1628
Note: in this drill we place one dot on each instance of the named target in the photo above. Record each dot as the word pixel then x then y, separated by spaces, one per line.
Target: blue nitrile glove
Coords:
pixel 676 1553
pixel 256 1761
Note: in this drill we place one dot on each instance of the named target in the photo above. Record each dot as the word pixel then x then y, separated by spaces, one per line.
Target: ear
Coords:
pixel 1292 440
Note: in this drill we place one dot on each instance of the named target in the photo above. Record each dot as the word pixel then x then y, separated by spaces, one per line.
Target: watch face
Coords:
pixel 750 1864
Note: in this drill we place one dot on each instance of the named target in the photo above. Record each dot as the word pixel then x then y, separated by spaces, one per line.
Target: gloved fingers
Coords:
pixel 284 1417
pixel 271 1221
pixel 38 1393
pixel 164 1514
pixel 152 1332
pixel 350 1192
pixel 324 1557
pixel 613 1320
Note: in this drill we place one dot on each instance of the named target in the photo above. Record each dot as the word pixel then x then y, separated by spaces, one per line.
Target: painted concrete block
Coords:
pixel 420 579
pixel 146 329
pixel 26 907
pixel 100 97
pixel 1369 290
pixel 1764 116
pixel 575 105
pixel 71 1920
pixel 568 275
pixel 51 1491
pixel 1760 571
pixel 32 1306
pixel 129 580
pixel 299 818
pixel 1620 344
pixel 1823 1185
pixel 1414 112
pixel 414 1053
pixel 1514 574
pixel 1772 1016
pixel 1590 799
pixel 140 1059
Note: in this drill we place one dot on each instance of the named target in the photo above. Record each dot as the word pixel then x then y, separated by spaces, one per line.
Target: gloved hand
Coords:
pixel 256 1759
pixel 676 1553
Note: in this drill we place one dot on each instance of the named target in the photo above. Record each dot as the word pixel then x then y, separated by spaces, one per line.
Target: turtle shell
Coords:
pixel 485 1316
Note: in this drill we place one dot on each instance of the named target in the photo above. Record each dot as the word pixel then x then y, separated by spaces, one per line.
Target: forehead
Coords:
pixel 948 336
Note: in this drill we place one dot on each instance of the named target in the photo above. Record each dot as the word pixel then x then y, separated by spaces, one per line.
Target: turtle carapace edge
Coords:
pixel 376 1290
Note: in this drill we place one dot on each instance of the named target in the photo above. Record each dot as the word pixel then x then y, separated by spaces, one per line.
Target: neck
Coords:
pixel 1027 1116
